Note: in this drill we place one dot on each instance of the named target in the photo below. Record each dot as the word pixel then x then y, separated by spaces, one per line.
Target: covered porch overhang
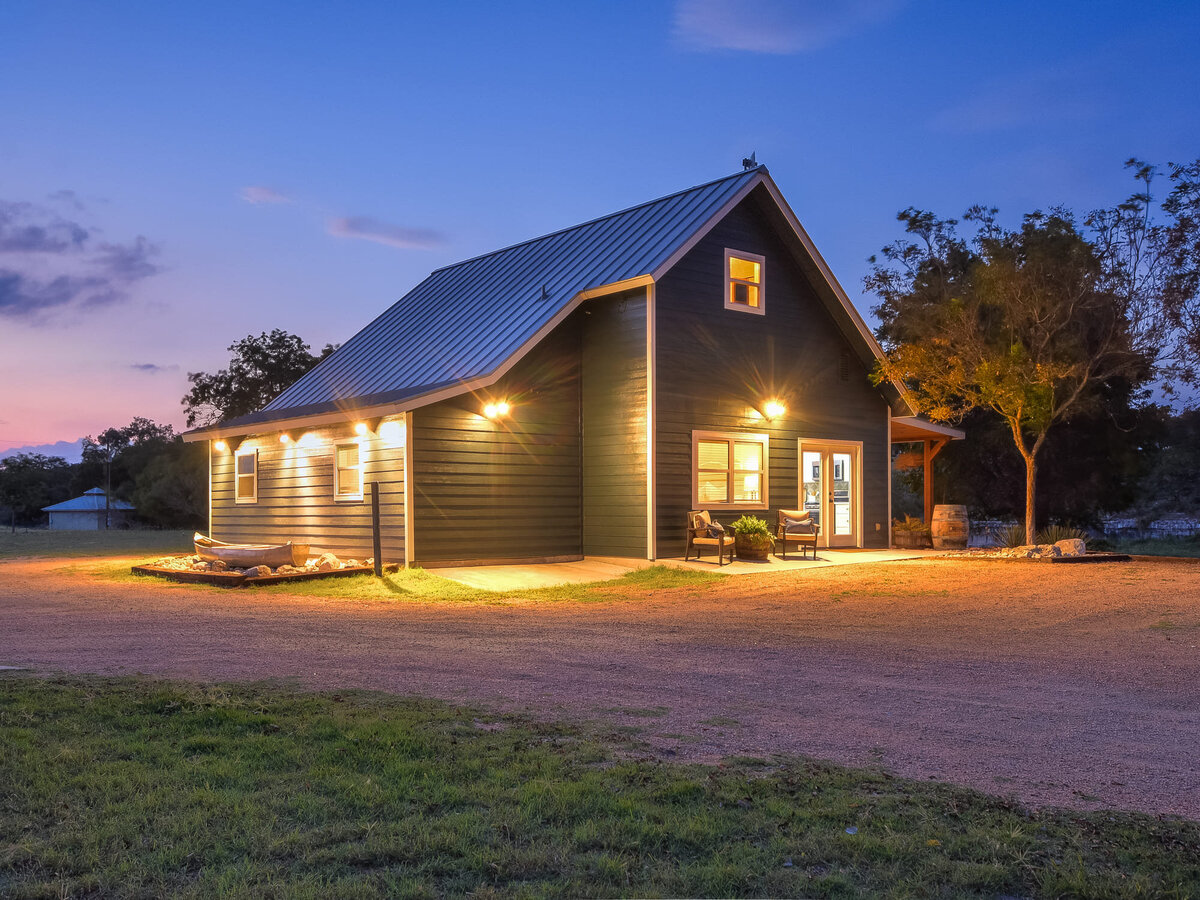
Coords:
pixel 932 438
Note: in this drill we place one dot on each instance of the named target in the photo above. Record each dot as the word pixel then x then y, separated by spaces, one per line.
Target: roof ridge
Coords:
pixel 462 262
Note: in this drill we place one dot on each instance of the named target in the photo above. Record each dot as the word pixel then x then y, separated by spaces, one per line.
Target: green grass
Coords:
pixel 131 787
pixel 422 585
pixel 43 542
pixel 1180 546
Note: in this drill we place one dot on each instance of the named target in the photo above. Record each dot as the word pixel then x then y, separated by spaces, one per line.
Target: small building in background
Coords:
pixel 86 513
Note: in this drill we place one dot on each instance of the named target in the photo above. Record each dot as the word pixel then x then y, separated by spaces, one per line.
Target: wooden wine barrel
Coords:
pixel 950 527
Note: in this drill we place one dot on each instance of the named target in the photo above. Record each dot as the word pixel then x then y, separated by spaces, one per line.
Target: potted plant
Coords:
pixel 911 534
pixel 752 538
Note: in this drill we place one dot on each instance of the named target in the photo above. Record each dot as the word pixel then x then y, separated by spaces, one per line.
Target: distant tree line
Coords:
pixel 149 465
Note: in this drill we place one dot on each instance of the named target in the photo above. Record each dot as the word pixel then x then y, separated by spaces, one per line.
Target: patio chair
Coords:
pixel 797 526
pixel 698 522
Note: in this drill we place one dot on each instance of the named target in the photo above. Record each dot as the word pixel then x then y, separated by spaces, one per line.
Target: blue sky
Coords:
pixel 176 176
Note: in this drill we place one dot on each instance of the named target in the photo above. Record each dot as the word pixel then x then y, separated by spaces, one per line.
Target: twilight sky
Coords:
pixel 175 176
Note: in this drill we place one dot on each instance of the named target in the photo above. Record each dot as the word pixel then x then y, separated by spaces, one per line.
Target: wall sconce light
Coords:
pixel 497 409
pixel 285 438
pixel 360 428
pixel 773 409
pixel 221 446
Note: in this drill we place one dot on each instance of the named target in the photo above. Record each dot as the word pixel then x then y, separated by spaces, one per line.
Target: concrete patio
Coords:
pixel 603 568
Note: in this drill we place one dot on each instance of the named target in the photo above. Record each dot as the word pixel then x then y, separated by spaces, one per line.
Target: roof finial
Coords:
pixel 750 162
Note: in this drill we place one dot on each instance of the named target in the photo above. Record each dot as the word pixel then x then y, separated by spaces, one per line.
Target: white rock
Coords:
pixel 258 571
pixel 1071 547
pixel 330 559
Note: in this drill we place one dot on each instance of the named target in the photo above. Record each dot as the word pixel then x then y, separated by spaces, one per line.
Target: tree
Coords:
pixel 261 368
pixel 1035 324
pixel 121 455
pixel 29 482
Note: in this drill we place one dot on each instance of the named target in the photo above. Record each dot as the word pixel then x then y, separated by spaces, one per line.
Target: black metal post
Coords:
pixel 378 538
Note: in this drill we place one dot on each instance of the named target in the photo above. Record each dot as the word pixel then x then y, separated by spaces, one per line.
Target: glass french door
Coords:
pixel 829 491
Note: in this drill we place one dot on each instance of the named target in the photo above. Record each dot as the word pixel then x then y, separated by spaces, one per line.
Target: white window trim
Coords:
pixel 236 477
pixel 761 309
pixel 337 492
pixel 731 437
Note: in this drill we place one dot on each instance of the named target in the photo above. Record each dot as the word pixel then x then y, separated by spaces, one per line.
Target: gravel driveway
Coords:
pixel 1064 685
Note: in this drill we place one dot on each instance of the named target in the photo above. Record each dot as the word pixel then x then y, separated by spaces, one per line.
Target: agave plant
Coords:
pixel 1052 534
pixel 1012 535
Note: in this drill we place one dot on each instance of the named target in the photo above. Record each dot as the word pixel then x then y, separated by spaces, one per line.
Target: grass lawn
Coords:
pixel 134 787
pixel 131 542
pixel 1179 546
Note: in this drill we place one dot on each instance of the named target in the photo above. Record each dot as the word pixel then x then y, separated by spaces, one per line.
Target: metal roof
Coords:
pixel 89 501
pixel 465 320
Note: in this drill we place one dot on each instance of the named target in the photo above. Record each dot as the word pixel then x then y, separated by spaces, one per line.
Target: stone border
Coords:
pixel 238 579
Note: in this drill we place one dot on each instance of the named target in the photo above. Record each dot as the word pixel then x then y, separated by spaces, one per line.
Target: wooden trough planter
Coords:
pixel 240 579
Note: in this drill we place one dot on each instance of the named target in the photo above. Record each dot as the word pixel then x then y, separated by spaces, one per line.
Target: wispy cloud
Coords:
pixel 152 368
pixel 774 26
pixel 48 263
pixel 67 198
pixel 1041 98
pixel 258 194
pixel 368 229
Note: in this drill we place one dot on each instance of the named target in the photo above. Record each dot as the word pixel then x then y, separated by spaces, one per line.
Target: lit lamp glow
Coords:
pixel 774 409
pixel 496 410
pixel 221 446
pixel 360 429
pixel 285 439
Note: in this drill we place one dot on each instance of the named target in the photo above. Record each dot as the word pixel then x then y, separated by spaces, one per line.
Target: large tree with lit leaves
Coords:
pixel 1034 323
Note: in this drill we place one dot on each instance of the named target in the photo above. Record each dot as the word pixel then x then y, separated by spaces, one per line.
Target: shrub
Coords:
pixel 910 523
pixel 1011 536
pixel 751 525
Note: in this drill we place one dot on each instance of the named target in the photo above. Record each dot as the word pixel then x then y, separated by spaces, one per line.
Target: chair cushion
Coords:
pixel 726 539
pixel 798 514
pixel 699 520
pixel 803 537
pixel 798 526
pixel 715 530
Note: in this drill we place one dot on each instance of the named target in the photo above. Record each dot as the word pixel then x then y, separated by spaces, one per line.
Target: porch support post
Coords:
pixel 931 449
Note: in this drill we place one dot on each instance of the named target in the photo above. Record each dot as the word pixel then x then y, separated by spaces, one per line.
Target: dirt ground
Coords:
pixel 1064 685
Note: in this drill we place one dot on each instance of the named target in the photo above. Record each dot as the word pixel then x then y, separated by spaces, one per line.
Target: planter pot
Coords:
pixel 911 540
pixel 950 527
pixel 752 546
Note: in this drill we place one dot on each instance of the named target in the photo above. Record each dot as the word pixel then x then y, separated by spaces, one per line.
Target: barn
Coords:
pixel 579 393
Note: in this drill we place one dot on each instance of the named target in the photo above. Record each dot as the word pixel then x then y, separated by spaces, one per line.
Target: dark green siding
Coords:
pixel 295 495
pixel 508 489
pixel 614 426
pixel 713 366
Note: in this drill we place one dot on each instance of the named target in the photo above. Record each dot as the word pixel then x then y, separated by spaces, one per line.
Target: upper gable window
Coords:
pixel 744 288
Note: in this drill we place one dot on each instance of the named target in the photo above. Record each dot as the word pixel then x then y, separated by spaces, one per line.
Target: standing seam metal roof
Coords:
pixel 465 320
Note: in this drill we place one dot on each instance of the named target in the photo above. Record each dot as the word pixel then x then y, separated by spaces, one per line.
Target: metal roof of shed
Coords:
pixel 88 501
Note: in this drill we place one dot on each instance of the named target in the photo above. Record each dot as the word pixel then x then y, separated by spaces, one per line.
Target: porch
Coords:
pixel 604 568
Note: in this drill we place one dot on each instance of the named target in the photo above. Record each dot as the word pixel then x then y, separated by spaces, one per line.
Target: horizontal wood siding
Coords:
pixel 715 367
pixel 509 488
pixel 614 426
pixel 295 495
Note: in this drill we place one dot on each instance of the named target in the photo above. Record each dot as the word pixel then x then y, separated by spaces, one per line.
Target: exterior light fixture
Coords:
pixel 360 428
pixel 774 409
pixel 496 410
pixel 285 438
pixel 221 446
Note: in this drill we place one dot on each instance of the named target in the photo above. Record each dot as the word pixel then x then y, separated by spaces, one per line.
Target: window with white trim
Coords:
pixel 729 470
pixel 347 472
pixel 246 476
pixel 744 287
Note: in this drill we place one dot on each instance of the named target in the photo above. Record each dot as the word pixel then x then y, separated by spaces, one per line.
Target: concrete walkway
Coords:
pixel 603 568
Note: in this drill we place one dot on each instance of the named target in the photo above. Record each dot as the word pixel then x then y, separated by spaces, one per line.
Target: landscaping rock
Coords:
pixel 258 571
pixel 219 565
pixel 287 570
pixel 1071 547
pixel 327 562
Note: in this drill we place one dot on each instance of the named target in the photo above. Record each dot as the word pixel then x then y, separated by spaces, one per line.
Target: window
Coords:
pixel 730 470
pixel 347 473
pixel 246 477
pixel 744 288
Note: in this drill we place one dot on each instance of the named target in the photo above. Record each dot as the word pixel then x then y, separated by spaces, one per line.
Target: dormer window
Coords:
pixel 744 281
